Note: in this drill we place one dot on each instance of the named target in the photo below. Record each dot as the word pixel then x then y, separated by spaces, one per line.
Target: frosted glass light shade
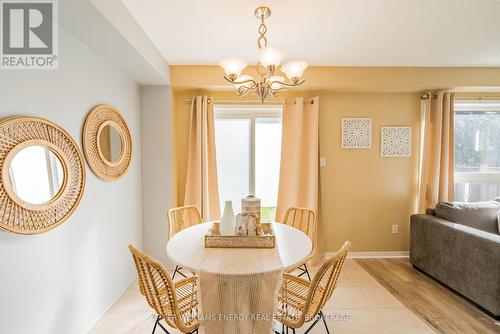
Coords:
pixel 270 56
pixel 294 69
pixel 241 78
pixel 233 66
pixel 276 85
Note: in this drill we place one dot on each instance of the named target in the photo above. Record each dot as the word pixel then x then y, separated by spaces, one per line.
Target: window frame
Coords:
pixel 475 106
pixel 252 113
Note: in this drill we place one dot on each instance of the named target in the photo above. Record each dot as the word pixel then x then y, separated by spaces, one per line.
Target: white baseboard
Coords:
pixel 374 255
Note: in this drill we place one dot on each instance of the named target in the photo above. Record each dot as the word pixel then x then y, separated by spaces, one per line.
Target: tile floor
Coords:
pixel 358 305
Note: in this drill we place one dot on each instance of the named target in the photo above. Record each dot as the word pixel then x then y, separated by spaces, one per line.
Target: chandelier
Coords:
pixel 269 59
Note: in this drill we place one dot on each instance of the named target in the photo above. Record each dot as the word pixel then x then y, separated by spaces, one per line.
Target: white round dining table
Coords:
pixel 187 247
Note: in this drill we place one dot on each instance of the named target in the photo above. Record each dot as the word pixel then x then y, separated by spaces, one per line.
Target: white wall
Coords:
pixel 63 280
pixel 157 178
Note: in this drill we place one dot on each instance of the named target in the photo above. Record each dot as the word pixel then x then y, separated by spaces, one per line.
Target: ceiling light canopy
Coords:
pixel 269 58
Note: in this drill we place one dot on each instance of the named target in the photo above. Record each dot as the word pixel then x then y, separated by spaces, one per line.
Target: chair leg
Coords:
pixel 178 270
pixel 158 323
pixel 304 271
pixel 324 321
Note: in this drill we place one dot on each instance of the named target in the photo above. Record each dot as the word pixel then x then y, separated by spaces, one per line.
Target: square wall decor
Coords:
pixel 356 133
pixel 395 141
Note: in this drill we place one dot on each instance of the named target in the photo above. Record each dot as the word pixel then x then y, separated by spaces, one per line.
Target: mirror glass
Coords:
pixel 111 143
pixel 36 174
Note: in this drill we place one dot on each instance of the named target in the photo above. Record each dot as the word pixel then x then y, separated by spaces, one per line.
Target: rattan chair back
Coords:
pixel 183 217
pixel 304 220
pixel 325 281
pixel 160 291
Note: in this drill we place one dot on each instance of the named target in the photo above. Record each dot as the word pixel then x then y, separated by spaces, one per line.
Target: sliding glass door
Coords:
pixel 248 146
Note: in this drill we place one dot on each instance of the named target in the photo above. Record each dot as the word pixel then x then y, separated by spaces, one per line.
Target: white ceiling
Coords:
pixel 327 32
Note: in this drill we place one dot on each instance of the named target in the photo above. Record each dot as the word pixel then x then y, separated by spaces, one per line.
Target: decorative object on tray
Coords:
pixel 250 204
pixel 241 225
pixel 356 133
pixel 242 231
pixel 227 224
pixel 395 141
pixel 36 151
pixel 107 142
pixel 265 238
pixel 248 224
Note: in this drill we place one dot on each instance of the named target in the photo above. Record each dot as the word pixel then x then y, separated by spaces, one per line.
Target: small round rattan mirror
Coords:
pixel 107 143
pixel 42 175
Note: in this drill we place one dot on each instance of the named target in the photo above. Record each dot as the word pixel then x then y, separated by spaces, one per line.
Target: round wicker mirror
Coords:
pixel 42 175
pixel 107 143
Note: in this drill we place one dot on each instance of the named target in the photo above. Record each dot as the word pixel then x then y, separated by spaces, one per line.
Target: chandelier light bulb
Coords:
pixel 233 66
pixel 270 56
pixel 294 69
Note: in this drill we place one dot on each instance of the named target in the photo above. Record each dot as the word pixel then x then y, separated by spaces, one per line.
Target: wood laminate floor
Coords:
pixel 441 308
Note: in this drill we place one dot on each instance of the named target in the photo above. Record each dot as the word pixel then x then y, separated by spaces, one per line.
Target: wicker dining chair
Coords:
pixel 179 219
pixel 176 303
pixel 304 220
pixel 300 301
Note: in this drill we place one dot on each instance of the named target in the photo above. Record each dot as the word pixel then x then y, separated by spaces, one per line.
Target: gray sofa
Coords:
pixel 463 254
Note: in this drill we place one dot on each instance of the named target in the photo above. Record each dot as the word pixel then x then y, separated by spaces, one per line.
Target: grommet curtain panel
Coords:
pixel 201 176
pixel 436 170
pixel 299 171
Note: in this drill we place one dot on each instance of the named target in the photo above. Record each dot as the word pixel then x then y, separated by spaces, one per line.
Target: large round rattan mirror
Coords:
pixel 107 143
pixel 42 175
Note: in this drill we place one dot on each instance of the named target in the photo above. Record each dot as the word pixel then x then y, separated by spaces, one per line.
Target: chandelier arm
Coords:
pixel 287 84
pixel 241 82
pixel 243 90
pixel 228 79
pixel 242 93
pixel 245 81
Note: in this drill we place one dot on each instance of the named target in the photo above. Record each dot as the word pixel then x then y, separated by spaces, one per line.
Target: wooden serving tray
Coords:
pixel 215 240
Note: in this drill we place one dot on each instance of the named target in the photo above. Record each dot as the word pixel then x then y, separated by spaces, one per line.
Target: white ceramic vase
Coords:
pixel 227 223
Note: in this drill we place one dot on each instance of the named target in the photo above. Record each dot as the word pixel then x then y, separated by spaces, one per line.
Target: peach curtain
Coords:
pixel 201 177
pixel 299 172
pixel 436 174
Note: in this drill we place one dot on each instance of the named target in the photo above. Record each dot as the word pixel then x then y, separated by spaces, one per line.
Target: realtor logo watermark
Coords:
pixel 29 34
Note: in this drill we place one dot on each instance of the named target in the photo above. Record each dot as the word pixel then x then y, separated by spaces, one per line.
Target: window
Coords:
pixel 477 150
pixel 248 146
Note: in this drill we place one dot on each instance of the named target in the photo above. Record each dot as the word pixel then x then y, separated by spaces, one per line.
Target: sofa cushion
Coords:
pixel 482 215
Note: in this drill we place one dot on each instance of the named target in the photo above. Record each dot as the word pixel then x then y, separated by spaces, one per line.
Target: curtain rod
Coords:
pixel 465 96
pixel 427 96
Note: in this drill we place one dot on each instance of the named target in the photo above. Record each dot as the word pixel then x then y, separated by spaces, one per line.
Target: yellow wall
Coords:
pixel 361 193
